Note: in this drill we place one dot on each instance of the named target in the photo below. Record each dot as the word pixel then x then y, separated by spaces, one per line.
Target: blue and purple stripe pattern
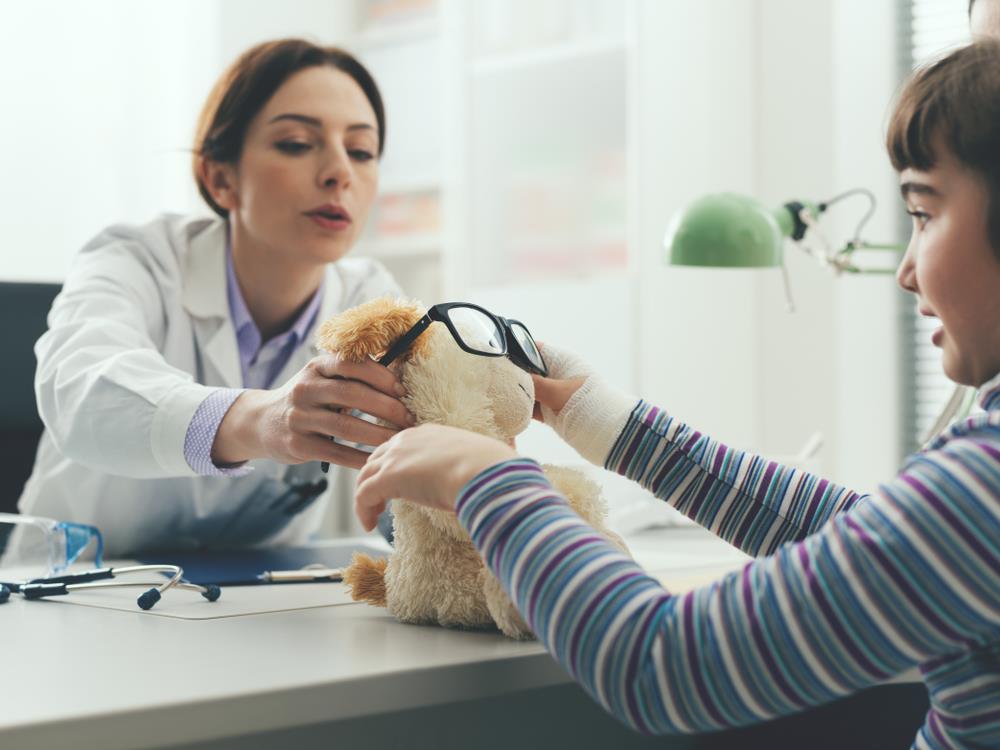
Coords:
pixel 846 592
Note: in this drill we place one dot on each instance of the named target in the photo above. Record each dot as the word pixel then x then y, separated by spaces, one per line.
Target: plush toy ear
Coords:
pixel 368 330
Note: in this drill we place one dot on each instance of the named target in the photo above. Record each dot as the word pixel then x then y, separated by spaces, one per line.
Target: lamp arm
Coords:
pixel 843 260
pixel 872 203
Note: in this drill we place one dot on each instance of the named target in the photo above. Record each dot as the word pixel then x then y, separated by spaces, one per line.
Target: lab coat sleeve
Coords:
pixel 107 395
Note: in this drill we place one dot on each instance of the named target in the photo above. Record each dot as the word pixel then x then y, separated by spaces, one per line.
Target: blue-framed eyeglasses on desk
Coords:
pixel 37 552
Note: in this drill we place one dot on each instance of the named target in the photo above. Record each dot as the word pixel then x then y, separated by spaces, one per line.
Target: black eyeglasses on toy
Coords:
pixel 477 331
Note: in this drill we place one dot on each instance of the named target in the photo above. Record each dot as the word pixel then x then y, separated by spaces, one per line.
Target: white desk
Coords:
pixel 83 677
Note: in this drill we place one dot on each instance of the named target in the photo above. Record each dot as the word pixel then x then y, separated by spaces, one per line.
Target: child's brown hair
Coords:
pixel 954 103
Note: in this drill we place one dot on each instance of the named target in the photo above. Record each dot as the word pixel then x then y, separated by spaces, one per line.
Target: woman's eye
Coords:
pixel 293 147
pixel 361 155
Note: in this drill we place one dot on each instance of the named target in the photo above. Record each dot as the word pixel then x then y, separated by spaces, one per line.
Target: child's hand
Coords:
pixel 575 402
pixel 567 372
pixel 427 465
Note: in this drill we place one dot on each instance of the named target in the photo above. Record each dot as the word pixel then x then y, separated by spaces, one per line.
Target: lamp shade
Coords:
pixel 727 230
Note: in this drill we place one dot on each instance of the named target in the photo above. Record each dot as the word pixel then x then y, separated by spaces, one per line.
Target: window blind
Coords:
pixel 929 29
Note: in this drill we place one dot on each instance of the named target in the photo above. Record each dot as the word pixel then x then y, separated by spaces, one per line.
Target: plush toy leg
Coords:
pixel 503 611
pixel 365 577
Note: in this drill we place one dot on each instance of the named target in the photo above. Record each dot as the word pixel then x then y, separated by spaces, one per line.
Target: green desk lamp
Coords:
pixel 728 230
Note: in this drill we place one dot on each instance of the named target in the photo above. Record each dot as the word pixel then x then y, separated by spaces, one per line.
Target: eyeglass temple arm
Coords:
pixel 404 343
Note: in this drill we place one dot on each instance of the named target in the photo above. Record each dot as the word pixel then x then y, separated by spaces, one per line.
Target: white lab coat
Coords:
pixel 139 336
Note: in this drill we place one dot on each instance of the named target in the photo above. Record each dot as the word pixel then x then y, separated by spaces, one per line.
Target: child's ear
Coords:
pixel 368 330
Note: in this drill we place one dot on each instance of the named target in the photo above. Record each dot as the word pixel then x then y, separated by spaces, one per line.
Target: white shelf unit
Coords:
pixel 517 114
pixel 497 119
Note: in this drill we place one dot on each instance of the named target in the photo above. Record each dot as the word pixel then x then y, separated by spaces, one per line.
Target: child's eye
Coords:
pixel 919 217
pixel 292 147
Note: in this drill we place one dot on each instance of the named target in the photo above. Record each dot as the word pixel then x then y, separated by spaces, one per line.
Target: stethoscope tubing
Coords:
pixel 42 588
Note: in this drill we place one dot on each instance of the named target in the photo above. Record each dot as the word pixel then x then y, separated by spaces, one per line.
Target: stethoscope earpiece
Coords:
pixel 147 599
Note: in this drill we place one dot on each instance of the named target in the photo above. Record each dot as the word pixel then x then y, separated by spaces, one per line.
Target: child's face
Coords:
pixel 952 268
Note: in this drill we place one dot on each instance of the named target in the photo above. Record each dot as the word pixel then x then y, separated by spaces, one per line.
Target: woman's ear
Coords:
pixel 368 330
pixel 220 181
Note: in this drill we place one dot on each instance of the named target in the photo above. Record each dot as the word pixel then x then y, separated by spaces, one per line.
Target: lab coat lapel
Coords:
pixel 206 301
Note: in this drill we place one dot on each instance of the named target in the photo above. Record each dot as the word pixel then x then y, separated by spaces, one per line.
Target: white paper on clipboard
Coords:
pixel 235 601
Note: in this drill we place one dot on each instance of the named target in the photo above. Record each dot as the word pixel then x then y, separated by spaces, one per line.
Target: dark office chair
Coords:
pixel 23 311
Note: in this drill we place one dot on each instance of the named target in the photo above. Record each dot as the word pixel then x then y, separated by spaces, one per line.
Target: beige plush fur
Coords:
pixel 435 574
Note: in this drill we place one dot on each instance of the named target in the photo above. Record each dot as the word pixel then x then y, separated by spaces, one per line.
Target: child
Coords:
pixel 847 590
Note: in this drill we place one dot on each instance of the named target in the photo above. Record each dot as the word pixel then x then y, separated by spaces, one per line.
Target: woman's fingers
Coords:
pixel 320 448
pixel 344 426
pixel 339 393
pixel 375 375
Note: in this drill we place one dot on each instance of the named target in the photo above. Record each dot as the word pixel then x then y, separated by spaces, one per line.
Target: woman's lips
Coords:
pixel 937 336
pixel 329 223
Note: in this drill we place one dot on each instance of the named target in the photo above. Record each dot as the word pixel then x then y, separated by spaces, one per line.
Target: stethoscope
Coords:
pixel 42 588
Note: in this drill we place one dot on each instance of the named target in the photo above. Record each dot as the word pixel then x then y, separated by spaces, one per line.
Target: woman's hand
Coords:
pixel 294 423
pixel 427 465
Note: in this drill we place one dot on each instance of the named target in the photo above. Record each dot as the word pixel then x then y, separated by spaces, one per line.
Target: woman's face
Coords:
pixel 952 268
pixel 985 19
pixel 308 173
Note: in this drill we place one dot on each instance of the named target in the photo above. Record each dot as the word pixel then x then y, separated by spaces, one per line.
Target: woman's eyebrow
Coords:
pixel 315 122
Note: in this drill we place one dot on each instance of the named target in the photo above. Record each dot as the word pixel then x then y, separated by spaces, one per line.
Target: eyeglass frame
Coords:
pixel 438 313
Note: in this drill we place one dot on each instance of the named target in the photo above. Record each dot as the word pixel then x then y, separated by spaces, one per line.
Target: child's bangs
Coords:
pixel 915 123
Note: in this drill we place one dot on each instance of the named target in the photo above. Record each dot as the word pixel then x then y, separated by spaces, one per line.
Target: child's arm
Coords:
pixel 909 575
pixel 755 504
pixel 750 502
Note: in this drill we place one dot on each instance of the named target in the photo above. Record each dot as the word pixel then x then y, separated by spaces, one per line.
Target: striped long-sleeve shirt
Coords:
pixel 846 591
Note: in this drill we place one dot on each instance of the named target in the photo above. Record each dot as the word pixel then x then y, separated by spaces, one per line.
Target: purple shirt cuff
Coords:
pixel 201 435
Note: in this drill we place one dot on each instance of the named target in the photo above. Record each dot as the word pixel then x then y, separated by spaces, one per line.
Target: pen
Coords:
pixel 303 575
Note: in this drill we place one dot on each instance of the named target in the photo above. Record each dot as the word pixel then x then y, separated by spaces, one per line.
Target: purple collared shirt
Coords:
pixel 260 363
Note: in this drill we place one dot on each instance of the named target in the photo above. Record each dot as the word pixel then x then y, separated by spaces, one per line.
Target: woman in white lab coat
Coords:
pixel 183 402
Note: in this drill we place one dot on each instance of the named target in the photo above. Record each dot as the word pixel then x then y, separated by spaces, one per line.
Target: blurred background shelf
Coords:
pixel 402 248
pixel 562 53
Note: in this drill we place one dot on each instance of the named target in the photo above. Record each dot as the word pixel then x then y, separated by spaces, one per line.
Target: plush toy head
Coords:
pixel 435 574
pixel 445 384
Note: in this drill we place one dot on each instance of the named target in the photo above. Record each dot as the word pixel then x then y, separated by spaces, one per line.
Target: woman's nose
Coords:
pixel 336 170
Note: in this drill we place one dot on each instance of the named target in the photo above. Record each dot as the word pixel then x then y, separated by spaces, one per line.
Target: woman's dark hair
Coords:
pixel 954 103
pixel 249 83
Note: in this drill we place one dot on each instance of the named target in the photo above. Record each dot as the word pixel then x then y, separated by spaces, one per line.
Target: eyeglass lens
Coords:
pixel 527 345
pixel 477 330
